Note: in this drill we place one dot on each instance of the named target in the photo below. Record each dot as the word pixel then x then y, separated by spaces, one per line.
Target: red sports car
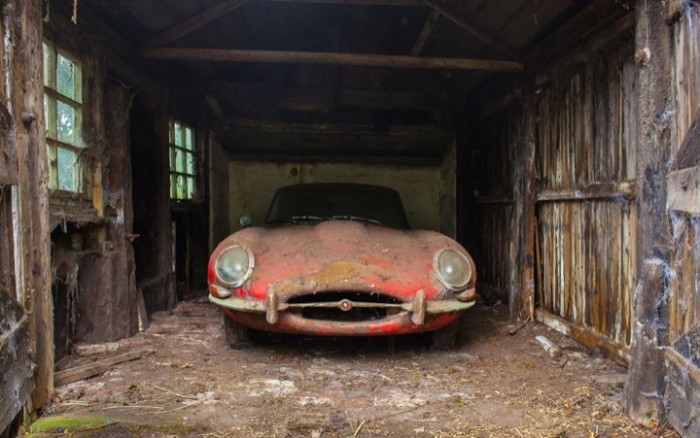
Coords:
pixel 339 260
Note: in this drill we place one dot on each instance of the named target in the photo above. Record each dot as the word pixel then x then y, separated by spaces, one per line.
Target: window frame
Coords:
pixel 52 99
pixel 181 145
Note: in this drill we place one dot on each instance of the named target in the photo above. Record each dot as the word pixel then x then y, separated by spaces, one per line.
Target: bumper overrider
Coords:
pixel 416 310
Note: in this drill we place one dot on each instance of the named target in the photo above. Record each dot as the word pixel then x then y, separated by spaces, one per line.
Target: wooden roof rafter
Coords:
pixel 195 22
pixel 330 58
pixel 461 21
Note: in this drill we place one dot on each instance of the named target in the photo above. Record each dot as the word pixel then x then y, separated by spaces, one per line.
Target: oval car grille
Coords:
pixel 352 306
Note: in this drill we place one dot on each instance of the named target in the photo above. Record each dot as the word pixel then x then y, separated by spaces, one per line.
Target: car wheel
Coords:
pixel 238 336
pixel 446 338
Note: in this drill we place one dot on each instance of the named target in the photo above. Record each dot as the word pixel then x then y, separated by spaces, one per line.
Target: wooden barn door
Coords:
pixel 585 199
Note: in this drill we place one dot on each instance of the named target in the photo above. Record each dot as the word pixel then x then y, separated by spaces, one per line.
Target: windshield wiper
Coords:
pixel 364 220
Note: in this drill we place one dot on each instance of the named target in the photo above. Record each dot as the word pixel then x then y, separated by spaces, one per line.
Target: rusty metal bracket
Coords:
pixel 418 315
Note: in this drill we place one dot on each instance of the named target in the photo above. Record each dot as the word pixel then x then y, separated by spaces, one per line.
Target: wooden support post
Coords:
pixel 27 95
pixel 523 232
pixel 644 389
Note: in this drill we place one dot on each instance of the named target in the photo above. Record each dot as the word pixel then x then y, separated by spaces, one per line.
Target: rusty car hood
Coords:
pixel 340 255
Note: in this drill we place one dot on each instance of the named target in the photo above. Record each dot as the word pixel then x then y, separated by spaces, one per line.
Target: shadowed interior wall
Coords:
pixel 253 184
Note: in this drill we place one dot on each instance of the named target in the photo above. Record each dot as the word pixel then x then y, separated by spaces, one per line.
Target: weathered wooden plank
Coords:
pixel 653 147
pixel 195 22
pixel 93 369
pixel 16 369
pixel 27 95
pixel 356 2
pixel 683 389
pixel 448 12
pixel 619 353
pixel 689 152
pixel 674 8
pixel 625 189
pixel 683 188
pixel 328 58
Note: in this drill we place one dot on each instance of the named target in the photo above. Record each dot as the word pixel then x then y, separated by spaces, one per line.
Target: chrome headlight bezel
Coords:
pixel 249 271
pixel 440 274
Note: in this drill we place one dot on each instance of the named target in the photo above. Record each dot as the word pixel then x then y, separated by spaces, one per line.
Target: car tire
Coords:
pixel 445 338
pixel 238 336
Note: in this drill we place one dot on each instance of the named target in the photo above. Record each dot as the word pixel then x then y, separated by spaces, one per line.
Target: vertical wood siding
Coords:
pixel 684 264
pixel 585 243
pixel 492 168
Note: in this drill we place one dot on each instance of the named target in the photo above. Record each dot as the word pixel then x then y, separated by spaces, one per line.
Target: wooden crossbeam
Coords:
pixel 371 60
pixel 356 2
pixel 195 22
pixel 461 21
pixel 425 32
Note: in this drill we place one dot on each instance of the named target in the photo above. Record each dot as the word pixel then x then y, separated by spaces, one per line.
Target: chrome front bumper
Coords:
pixel 418 308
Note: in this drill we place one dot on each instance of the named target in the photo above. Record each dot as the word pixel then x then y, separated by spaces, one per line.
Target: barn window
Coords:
pixel 63 103
pixel 183 176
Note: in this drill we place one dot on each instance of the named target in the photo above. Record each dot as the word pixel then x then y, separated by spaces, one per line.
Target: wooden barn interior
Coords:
pixel 557 140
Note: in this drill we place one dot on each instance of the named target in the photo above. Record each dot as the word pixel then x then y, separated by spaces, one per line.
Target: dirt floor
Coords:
pixel 187 382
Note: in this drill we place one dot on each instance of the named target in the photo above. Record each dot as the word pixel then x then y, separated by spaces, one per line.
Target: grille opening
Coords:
pixel 335 314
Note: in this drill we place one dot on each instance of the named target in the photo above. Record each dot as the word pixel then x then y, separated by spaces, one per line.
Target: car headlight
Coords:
pixel 234 266
pixel 452 269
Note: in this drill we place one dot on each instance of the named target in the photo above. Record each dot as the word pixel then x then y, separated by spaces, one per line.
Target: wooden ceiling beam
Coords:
pixel 195 22
pixel 461 21
pixel 356 2
pixel 370 60
pixel 425 32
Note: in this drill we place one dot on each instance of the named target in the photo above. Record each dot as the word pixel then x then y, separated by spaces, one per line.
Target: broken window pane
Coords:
pixel 65 115
pixel 68 167
pixel 65 77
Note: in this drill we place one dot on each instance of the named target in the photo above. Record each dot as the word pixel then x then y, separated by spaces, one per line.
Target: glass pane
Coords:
pixel 190 188
pixel 65 123
pixel 68 170
pixel 65 77
pixel 189 140
pixel 180 187
pixel 172 186
pixel 172 159
pixel 179 160
pixel 190 164
pixel 178 134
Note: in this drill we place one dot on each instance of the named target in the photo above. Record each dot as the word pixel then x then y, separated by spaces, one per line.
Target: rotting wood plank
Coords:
pixel 328 58
pixel 653 146
pixel 683 188
pixel 587 337
pixel 195 22
pixel 16 367
pixel 689 151
pixel 674 8
pixel 27 96
pixel 625 189
pixel 461 21
pixel 93 369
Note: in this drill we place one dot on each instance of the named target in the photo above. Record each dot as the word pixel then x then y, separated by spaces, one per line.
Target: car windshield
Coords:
pixel 310 203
